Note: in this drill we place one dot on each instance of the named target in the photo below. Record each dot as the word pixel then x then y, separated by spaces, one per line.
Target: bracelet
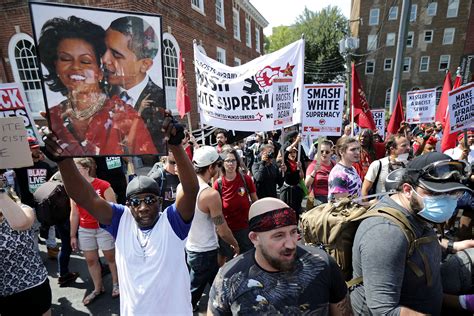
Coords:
pixel 311 176
pixel 450 248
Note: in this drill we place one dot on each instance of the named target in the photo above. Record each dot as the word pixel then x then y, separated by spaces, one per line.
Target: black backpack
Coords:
pixel 52 203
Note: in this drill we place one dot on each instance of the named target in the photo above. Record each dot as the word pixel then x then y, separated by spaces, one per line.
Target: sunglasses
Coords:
pixel 325 151
pixel 230 161
pixel 136 202
pixel 456 170
pixel 171 162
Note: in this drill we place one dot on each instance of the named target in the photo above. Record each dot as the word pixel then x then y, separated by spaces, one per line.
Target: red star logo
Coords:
pixel 288 71
pixel 258 117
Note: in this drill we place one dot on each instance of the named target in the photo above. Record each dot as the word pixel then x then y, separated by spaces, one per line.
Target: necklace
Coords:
pixel 143 238
pixel 95 106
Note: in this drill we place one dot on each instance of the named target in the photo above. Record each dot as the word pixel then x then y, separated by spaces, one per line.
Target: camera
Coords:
pixel 270 155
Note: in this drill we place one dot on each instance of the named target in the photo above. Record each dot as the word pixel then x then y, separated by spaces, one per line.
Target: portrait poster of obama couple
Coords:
pixel 103 79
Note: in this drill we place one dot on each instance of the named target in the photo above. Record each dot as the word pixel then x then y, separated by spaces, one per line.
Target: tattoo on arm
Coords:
pixel 343 307
pixel 218 220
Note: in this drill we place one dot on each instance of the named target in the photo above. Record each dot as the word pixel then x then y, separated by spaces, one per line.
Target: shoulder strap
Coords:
pixel 245 186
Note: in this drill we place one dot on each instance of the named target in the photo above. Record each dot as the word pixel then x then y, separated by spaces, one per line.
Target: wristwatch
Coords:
pixel 450 248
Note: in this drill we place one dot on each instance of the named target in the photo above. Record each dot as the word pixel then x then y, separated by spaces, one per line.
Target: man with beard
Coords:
pixel 278 276
pixel 221 140
pixel 401 277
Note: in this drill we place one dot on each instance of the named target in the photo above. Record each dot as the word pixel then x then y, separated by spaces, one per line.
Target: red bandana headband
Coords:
pixel 273 219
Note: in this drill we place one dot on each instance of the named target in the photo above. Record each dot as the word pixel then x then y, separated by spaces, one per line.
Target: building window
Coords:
pixel 390 39
pixel 424 63
pixel 453 6
pixel 220 57
pixel 444 62
pixel 369 67
pixel 439 91
pixel 220 13
pixel 428 36
pixel 374 16
pixel 170 56
pixel 448 36
pixel 371 42
pixel 22 55
pixel 406 64
pixel 393 13
pixel 413 10
pixel 198 5
pixel 257 39
pixel 432 8
pixel 237 61
pixel 236 24
pixel 248 32
pixel 410 37
pixel 387 64
pixel 387 97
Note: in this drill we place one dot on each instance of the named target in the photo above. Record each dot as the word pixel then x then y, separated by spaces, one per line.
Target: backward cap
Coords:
pixel 142 184
pixel 205 156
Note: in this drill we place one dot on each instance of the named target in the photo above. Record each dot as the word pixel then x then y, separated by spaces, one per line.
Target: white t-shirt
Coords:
pixel 456 153
pixel 372 173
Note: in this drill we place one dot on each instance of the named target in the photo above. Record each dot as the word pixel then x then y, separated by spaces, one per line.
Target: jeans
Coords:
pixel 64 232
pixel 203 270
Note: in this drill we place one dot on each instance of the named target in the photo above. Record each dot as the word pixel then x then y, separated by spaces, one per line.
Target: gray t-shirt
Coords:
pixel 379 254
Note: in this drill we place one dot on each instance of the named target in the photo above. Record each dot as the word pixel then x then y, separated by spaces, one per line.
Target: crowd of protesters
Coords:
pixel 226 216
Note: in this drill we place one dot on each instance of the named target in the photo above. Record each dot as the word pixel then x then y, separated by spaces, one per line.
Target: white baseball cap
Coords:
pixel 205 156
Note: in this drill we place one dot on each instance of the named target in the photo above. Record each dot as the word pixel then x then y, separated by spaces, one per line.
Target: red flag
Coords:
pixel 397 117
pixel 443 100
pixel 449 140
pixel 362 115
pixel 182 98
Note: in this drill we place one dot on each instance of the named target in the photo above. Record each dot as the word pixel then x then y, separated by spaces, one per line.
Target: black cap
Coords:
pixel 417 164
pixel 142 184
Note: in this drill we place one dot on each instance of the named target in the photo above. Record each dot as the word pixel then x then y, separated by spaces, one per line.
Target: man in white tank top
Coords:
pixel 202 244
pixel 149 244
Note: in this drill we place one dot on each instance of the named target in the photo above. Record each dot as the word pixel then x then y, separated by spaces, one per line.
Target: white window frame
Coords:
pixel 393 13
pixel 367 62
pixel 412 34
pixel 236 23
pixel 453 9
pixel 439 91
pixel 237 61
pixel 448 35
pixel 248 32
pixel 391 39
pixel 257 39
pixel 170 70
pixel 387 97
pixel 424 60
pixel 221 51
pixel 371 42
pixel 413 12
pixel 448 62
pixel 31 80
pixel 220 16
pixel 424 36
pixel 374 16
pixel 406 64
pixel 388 61
pixel 432 9
pixel 198 5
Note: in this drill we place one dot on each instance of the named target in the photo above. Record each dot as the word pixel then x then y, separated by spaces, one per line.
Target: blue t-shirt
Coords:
pixel 180 227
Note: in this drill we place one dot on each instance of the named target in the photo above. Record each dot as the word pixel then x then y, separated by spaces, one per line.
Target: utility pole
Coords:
pixel 401 42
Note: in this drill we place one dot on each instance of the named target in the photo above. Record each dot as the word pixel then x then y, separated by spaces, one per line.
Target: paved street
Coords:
pixel 68 300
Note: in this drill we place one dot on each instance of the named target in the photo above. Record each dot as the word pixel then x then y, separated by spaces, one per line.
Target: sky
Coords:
pixel 284 12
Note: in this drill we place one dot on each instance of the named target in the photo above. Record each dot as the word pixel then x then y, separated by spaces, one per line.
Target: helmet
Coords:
pixel 393 179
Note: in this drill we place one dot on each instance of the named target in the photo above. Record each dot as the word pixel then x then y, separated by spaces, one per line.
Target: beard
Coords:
pixel 278 264
pixel 415 205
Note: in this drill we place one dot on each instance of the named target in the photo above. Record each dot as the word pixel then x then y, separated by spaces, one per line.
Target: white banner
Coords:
pixel 421 106
pixel 461 107
pixel 241 98
pixel 282 102
pixel 379 119
pixel 323 105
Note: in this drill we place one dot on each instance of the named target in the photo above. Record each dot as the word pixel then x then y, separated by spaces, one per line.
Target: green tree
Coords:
pixel 322 30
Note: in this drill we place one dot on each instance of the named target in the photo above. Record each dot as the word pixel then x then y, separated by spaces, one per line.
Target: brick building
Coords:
pixel 228 31
pixel 439 33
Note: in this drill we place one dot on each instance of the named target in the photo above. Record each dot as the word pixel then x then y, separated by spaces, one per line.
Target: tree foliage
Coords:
pixel 322 30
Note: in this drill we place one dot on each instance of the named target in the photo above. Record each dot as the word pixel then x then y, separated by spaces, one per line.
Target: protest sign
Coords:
pixel 14 148
pixel 322 110
pixel 282 102
pixel 89 121
pixel 379 119
pixel 421 106
pixel 13 104
pixel 241 98
pixel 461 107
